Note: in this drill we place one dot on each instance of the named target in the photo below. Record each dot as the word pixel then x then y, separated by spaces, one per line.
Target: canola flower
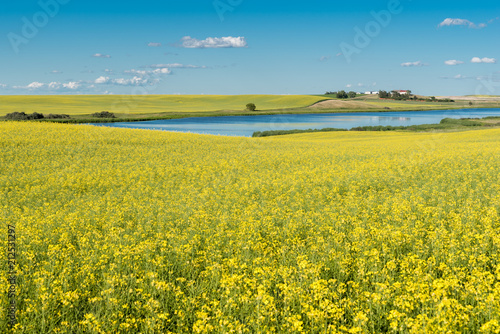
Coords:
pixel 136 231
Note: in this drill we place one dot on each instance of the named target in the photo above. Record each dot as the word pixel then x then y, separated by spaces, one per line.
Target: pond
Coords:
pixel 247 125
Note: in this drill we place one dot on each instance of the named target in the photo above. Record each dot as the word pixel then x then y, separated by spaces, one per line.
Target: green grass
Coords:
pixel 76 105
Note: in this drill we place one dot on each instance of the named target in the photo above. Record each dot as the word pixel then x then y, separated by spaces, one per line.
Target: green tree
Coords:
pixel 351 94
pixel 342 94
pixel 383 94
pixel 251 107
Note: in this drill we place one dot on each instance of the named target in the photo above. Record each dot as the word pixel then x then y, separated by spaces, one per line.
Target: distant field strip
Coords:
pixel 88 104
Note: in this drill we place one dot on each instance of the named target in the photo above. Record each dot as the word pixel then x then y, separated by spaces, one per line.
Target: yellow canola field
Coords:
pixel 137 231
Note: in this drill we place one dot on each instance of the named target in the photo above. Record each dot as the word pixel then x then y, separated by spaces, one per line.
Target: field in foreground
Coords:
pixel 122 231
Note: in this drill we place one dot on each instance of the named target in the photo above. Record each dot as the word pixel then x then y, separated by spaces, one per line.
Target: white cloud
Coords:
pixel 35 85
pixel 339 54
pixel 213 42
pixel 54 85
pixel 159 70
pixel 461 22
pixel 324 58
pixel 413 64
pixel 101 80
pixel 348 85
pixel 453 62
pixel 55 72
pixel 154 45
pixel 135 72
pixel 100 55
pixel 135 81
pixel 483 60
pixel 3 85
pixel 175 65
pixel 162 71
pixel 72 85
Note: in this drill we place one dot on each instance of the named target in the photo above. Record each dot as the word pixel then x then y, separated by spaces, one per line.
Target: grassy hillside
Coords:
pixel 136 231
pixel 150 104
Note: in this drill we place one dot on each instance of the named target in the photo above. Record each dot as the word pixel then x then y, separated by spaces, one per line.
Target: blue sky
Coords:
pixel 248 47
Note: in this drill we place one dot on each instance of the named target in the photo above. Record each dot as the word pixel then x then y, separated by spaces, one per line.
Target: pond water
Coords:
pixel 247 125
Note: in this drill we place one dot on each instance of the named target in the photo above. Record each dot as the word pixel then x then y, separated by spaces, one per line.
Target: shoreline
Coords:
pixel 225 113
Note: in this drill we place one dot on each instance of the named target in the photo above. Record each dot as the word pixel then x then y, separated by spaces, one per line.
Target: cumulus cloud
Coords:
pixel 135 81
pixel 135 72
pixel 52 86
pixel 35 85
pixel 154 45
pixel 461 22
pixel 453 62
pixel 101 80
pixel 348 85
pixel 484 60
pixel 160 70
pixel 100 55
pixel 413 64
pixel 213 42
pixel 72 85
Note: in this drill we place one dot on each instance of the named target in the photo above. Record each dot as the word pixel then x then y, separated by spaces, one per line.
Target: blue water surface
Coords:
pixel 247 125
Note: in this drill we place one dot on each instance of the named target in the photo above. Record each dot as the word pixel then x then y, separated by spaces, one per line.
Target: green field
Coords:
pixel 150 104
